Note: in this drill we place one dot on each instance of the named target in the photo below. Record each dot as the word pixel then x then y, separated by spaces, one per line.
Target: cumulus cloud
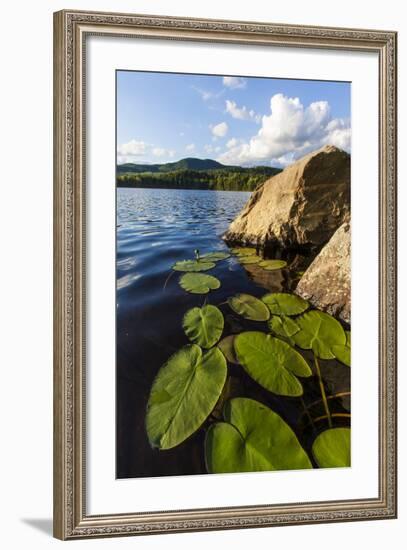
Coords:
pixel 234 82
pixel 289 132
pixel 241 113
pixel 232 143
pixel 219 130
pixel 190 148
pixel 132 148
pixel 137 150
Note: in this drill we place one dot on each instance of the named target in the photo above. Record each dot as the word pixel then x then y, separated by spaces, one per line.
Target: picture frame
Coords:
pixel 72 29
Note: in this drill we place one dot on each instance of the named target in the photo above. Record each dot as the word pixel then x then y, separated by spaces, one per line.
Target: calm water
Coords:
pixel 156 228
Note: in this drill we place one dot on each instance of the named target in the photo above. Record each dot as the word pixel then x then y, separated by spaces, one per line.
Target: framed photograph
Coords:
pixel 225 220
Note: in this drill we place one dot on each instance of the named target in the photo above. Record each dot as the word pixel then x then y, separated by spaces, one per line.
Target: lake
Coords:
pixel 155 229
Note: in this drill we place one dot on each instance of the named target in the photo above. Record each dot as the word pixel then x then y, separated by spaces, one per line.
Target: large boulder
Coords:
pixel 301 206
pixel 326 283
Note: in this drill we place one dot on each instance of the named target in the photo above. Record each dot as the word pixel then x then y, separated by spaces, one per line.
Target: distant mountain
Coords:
pixel 193 173
pixel 195 164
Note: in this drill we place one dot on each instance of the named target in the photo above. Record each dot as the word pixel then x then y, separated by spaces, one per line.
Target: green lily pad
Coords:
pixel 343 353
pixel 331 448
pixel 252 438
pixel 184 393
pixel 198 283
pixel 249 259
pixel 283 326
pixel 215 256
pixel 271 265
pixel 319 332
pixel 272 363
pixel 227 347
pixel 249 307
pixel 243 251
pixel 282 303
pixel 193 265
pixel 203 325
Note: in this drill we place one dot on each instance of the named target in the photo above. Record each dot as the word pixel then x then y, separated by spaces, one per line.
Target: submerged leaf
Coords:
pixel 243 251
pixel 274 364
pixel 203 325
pixel 184 393
pixel 271 265
pixel 282 303
pixel 249 307
pixel 319 332
pixel 215 256
pixel 198 283
pixel 252 438
pixel 227 347
pixel 193 265
pixel 283 326
pixel 331 448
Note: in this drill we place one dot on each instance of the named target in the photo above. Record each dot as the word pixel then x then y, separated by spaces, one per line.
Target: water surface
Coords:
pixel 156 228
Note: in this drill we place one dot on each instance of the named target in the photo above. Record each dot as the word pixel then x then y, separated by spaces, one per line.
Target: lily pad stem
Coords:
pixel 307 413
pixel 323 394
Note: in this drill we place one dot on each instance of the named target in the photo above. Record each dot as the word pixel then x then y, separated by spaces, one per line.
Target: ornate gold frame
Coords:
pixel 70 31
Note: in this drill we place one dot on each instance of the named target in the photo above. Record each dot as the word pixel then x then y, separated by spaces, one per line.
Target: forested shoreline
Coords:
pixel 225 179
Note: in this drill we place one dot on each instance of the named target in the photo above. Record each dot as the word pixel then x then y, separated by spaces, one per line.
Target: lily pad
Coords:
pixel 184 393
pixel 203 325
pixel 249 259
pixel 319 332
pixel 227 347
pixel 271 265
pixel 249 307
pixel 215 256
pixel 272 363
pixel 331 448
pixel 283 326
pixel 252 438
pixel 282 303
pixel 243 251
pixel 193 265
pixel 198 283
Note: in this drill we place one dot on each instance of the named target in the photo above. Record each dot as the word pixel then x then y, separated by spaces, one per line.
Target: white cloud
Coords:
pixel 132 148
pixel 206 95
pixel 140 151
pixel 161 152
pixel 210 149
pixel 241 113
pixel 232 143
pixel 219 130
pixel 234 82
pixel 190 148
pixel 289 132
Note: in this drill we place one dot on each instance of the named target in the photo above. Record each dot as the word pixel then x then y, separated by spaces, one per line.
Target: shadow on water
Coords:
pixel 155 229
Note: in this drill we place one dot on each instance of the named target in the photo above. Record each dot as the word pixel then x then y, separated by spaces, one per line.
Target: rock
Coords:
pixel 301 206
pixel 326 283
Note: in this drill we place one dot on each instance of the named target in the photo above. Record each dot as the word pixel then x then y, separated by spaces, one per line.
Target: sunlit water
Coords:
pixel 156 228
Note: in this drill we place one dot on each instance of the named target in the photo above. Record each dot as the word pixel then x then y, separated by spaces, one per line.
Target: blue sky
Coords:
pixel 249 121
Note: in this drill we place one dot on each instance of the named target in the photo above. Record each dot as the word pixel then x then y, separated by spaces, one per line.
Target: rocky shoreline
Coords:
pixel 307 206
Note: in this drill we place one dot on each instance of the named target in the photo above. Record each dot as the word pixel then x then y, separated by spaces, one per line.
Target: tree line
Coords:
pixel 245 179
